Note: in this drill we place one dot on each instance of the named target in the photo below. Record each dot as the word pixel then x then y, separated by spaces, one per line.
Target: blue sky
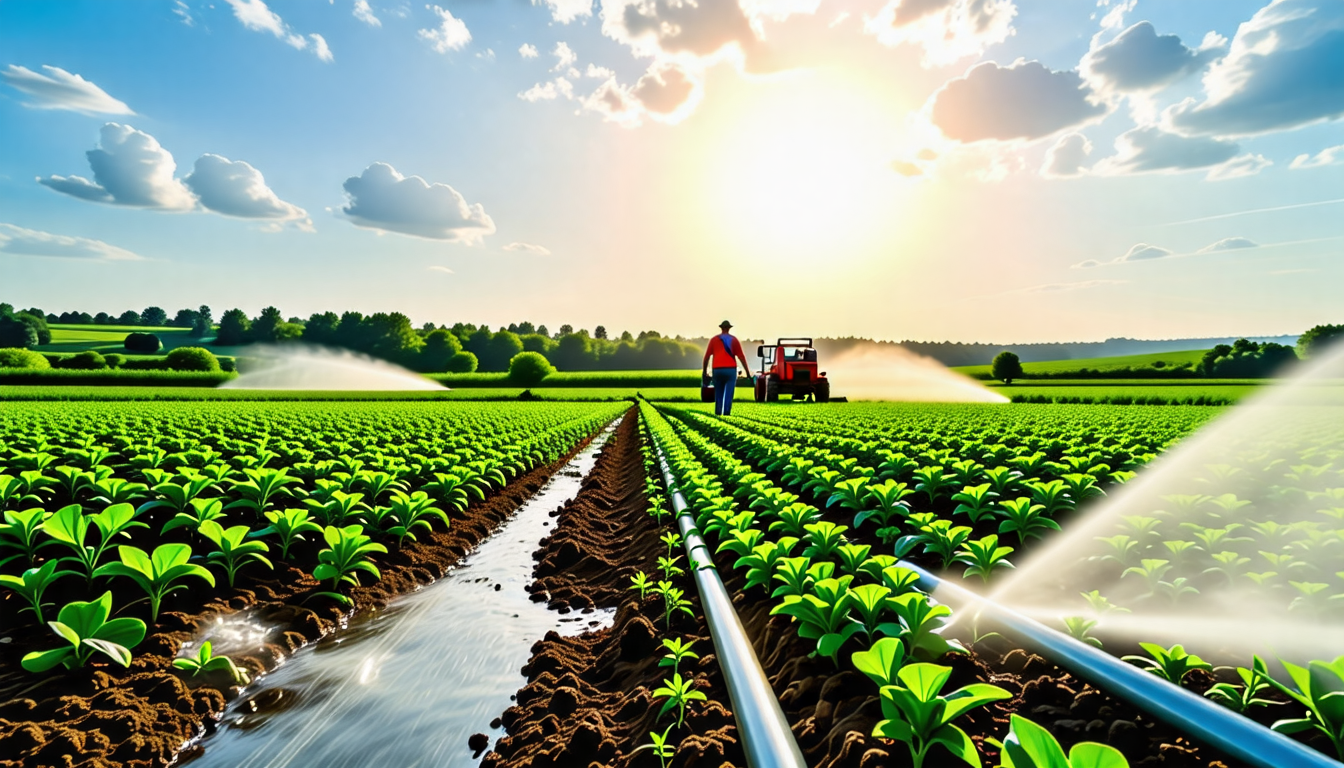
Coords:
pixel 997 170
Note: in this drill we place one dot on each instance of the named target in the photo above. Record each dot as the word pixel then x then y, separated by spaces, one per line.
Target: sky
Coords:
pixel 966 170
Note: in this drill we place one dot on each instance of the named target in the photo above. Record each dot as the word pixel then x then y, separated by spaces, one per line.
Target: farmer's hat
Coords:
pixel 725 325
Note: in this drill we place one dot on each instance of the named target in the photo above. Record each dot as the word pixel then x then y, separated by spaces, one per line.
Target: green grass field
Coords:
pixel 69 339
pixel 120 393
pixel 1170 359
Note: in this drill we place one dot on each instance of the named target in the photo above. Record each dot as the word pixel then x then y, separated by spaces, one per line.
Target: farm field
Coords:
pixel 816 515
pixel 66 339
pixel 207 393
pixel 1101 364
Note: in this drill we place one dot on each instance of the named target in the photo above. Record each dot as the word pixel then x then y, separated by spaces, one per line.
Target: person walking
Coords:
pixel 725 351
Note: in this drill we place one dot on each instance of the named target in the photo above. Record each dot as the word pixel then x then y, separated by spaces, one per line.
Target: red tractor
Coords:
pixel 790 368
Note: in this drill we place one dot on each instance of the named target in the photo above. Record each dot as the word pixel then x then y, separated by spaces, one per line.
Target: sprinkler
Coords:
pixel 1197 716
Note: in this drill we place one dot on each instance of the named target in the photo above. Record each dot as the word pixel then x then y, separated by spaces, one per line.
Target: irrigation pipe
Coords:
pixel 1197 716
pixel 766 738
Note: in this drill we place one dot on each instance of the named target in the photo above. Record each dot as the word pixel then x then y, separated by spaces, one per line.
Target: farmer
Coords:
pixel 726 351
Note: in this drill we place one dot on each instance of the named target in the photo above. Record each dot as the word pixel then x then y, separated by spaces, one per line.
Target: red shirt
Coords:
pixel 720 356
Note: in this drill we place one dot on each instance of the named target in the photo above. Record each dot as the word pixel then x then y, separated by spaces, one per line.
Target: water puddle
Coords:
pixel 407 686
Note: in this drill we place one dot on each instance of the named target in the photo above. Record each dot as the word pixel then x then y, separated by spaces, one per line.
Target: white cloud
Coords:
pixel 58 89
pixel 1149 149
pixel 1328 156
pixel 383 199
pixel 31 242
pixel 452 34
pixel 1066 158
pixel 667 93
pixel 1144 252
pixel 528 51
pixel 671 28
pixel 1283 71
pixel 256 16
pixel 1237 167
pixel 549 91
pixel 528 248
pixel 600 73
pixel 129 168
pixel 365 14
pixel 1023 101
pixel 1139 59
pixel 564 56
pixel 947 30
pixel 1228 244
pixel 183 12
pixel 237 189
pixel 565 11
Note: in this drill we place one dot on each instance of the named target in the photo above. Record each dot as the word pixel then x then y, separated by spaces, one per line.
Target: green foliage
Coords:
pixel 1320 688
pixel 156 574
pixel 33 583
pixel 982 557
pixel 1006 367
pixel 679 692
pixel 17 357
pixel 205 662
pixel 915 712
pixel 70 527
pixel 345 557
pixel 1318 338
pixel 142 343
pixel 1028 745
pixel 881 661
pixel 192 359
pixel 1246 359
pixel 231 551
pixel 1241 699
pixel 529 368
pixel 86 630
pixel 678 650
pixel 1171 664
pixel 289 525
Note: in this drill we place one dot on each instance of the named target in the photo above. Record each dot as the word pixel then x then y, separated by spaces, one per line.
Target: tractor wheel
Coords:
pixel 772 390
pixel 822 392
pixel 759 390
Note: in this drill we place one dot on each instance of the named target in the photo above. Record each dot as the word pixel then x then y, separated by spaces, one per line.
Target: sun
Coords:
pixel 804 169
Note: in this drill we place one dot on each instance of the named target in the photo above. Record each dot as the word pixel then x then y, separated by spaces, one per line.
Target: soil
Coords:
pixel 587 699
pixel 150 714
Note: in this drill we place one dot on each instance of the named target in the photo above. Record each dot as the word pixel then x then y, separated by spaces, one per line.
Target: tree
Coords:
pixel 84 361
pixel 462 362
pixel 15 333
pixel 129 317
pixel 1318 338
pixel 600 332
pixel 524 328
pixel 154 317
pixel 265 325
pixel 566 329
pixel 440 348
pixel 529 368
pixel 543 330
pixel 102 318
pixel 233 328
pixel 321 328
pixel 1006 367
pixel 573 353
pixel 203 323
pixel 625 336
pixel 37 322
pixel 185 318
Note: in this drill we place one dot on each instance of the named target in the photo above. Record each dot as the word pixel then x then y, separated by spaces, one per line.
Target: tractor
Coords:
pixel 789 367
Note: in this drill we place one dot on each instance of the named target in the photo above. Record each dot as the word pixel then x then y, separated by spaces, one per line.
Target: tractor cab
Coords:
pixel 789 367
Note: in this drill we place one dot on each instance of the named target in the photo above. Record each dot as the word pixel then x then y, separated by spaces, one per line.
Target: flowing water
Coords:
pixel 902 376
pixel 309 367
pixel 407 687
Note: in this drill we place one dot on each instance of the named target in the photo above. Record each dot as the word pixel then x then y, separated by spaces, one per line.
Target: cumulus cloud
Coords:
pixel 1284 70
pixel 549 91
pixel 528 51
pixel 383 199
pixel 1237 167
pixel 1139 59
pixel 564 56
pixel 255 16
pixel 365 14
pixel 565 11
pixel 1229 244
pixel 1066 158
pixel 31 242
pixel 528 248
pixel 1023 101
pixel 129 168
pixel 235 188
pixel 58 89
pixel 451 35
pixel 1149 149
pixel 1327 156
pixel 701 30
pixel 947 30
pixel 666 93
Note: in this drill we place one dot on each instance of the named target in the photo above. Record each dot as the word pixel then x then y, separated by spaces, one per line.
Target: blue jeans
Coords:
pixel 725 381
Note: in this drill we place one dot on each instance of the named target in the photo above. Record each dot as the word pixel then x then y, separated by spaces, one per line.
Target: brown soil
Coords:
pixel 144 715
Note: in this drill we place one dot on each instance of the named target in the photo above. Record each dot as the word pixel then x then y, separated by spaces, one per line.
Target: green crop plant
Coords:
pixel 176 495
pixel 899 580
pixel 376 484
pixel 931 481
pixel 116 490
pixel 70 527
pixel 671 540
pixel 660 745
pixel 85 628
pixel 1080 629
pixel 232 550
pixel 920 621
pixel 853 557
pixel 1151 570
pixel 21 531
pixel 872 602
pixel 1320 688
pixel 202 510
pixel 289 525
pixel 1123 549
pixel 1024 519
pixel 74 481
pixel 824 539
pixel 674 601
pixel 915 712
pixel 678 650
pixel 1052 496
pixel 679 692
pixel 1171 664
pixel 337 509
pixel 1028 745
pixel 640 583
pixel 975 501
pixel 883 659
pixel 942 538
pixel 1081 487
pixel 850 494
pixel 413 511
pixel 32 584
pixel 156 574
pixel 983 556
pixel 1241 699
pixel 669 567
pixel 345 557
pixel 763 559
pixel 206 662
pixel 1003 480
pixel 794 519
pixel 261 486
pixel 823 617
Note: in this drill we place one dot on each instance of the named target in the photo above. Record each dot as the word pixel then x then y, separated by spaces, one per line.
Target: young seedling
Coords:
pixel 346 555
pixel 823 615
pixel 679 692
pixel 1024 519
pixel 881 661
pixel 1028 745
pixel 824 539
pixel 289 525
pixel 975 501
pixel 640 582
pixel 70 527
pixel 914 712
pixel 672 540
pixel 941 538
pixel 1320 688
pixel 205 661
pixel 200 510
pixel 1245 697
pixel 33 584
pixel 86 630
pixel 983 557
pixel 156 573
pixel 660 745
pixel 20 531
pixel 413 511
pixel 919 621
pixel 1079 628
pixel 669 567
pixel 1171 664
pixel 674 600
pixel 677 651
pixel 232 552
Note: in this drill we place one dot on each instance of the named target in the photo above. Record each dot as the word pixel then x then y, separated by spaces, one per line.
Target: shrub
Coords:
pixel 84 361
pixel 227 364
pixel 146 343
pixel 462 362
pixel 1006 367
pixel 16 333
pixel 529 368
pixel 192 359
pixel 23 358
pixel 114 360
